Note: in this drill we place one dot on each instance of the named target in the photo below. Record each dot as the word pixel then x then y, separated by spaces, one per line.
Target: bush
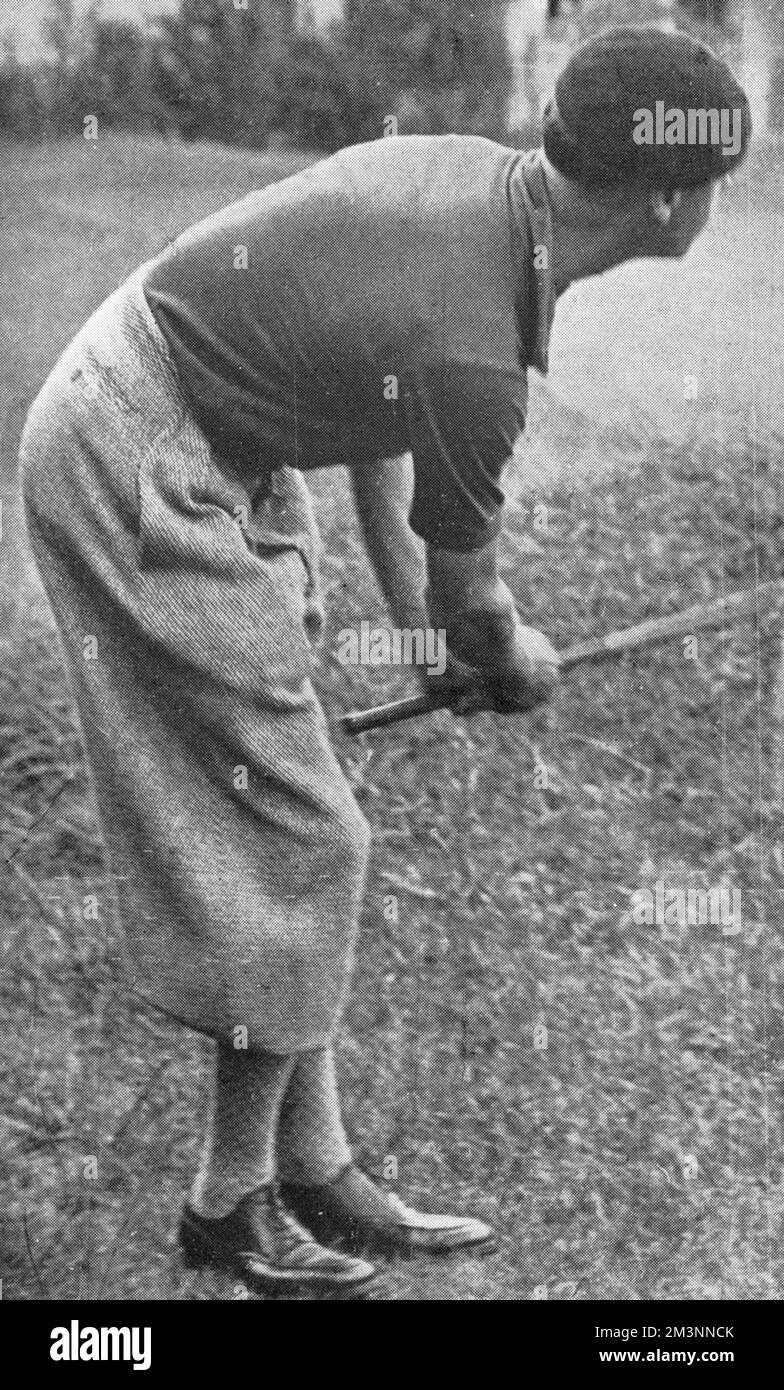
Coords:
pixel 436 65
pixel 22 110
pixel 321 97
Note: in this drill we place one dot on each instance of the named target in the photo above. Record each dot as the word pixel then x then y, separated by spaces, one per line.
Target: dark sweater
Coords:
pixel 383 300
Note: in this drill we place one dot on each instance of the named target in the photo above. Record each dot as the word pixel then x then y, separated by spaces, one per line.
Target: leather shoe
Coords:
pixel 264 1244
pixel 362 1216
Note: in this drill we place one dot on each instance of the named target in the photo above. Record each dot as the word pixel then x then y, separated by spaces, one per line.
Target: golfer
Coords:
pixel 385 302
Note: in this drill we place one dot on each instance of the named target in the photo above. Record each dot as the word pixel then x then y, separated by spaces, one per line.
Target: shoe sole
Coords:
pixel 271 1280
pixel 390 1245
pixel 475 1249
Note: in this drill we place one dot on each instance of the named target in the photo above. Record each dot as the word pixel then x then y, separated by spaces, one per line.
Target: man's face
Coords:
pixel 690 211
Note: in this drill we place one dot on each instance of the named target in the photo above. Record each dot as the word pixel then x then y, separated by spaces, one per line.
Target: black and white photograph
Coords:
pixel 391 674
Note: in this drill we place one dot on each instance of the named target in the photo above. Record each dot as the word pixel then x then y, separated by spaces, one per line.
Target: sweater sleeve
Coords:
pixel 462 421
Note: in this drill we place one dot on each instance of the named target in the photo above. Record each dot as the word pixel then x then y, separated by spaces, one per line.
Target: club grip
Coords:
pixel 360 721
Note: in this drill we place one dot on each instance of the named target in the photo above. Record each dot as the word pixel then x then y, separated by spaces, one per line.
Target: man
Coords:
pixel 387 300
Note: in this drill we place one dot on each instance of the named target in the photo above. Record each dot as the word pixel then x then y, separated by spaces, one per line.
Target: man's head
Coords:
pixel 645 124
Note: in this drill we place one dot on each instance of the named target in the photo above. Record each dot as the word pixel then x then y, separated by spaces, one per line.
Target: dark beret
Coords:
pixel 636 103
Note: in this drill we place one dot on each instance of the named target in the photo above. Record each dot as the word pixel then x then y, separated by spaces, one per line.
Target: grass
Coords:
pixel 638 1154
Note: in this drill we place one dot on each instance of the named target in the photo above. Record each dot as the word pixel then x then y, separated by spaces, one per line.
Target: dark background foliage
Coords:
pixel 260 73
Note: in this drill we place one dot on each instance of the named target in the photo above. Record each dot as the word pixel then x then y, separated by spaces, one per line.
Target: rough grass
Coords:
pixel 638 1155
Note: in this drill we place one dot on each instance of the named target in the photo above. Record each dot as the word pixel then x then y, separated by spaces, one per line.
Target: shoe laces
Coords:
pixel 285 1227
pixel 381 1201
pixel 398 1204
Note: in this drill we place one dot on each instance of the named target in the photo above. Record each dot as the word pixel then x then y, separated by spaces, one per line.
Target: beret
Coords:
pixel 637 103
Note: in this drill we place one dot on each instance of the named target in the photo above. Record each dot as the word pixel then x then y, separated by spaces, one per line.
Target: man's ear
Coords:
pixel 663 205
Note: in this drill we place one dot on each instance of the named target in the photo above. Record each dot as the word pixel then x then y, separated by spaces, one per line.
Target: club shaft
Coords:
pixel 698 618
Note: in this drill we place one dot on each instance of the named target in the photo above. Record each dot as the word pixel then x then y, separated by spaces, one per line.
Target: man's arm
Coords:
pixel 382 496
pixel 495 662
pixel 515 665
pixel 451 581
pixel 466 595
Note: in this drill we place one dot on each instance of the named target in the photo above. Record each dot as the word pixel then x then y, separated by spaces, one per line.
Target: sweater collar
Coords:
pixel 534 224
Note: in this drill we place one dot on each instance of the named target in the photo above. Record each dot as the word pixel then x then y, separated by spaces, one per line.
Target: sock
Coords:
pixel 239 1150
pixel 312 1143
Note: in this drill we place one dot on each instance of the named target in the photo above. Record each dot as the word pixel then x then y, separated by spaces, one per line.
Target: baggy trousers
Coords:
pixel 187 606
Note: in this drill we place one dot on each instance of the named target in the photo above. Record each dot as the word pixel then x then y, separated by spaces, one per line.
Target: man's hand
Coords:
pixel 459 688
pixel 493 661
pixel 502 665
pixel 530 678
pixel 524 675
